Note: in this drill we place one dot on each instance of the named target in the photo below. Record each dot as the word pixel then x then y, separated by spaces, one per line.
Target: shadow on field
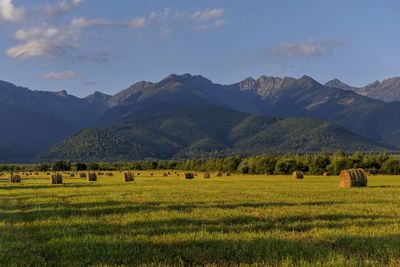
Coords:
pixel 183 240
pixel 78 251
pixel 61 209
pixel 384 186
pixel 24 186
pixel 22 212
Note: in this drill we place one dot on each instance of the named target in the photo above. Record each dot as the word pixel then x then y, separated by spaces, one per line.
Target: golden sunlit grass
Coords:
pixel 155 220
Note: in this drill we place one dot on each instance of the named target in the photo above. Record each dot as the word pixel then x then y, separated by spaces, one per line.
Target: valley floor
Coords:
pixel 265 220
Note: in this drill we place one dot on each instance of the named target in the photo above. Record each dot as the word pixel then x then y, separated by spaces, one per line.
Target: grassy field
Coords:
pixel 249 220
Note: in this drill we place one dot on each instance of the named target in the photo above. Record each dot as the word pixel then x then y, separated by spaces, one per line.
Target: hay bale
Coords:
pixel 15 178
pixel 325 174
pixel 165 175
pixel 188 175
pixel 228 174
pixel 92 177
pixel 129 177
pixel 138 174
pixel 298 175
pixel 56 179
pixel 353 178
pixel 206 175
pixel 218 174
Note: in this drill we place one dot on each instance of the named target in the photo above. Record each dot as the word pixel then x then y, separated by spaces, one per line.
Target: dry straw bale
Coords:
pixel 188 175
pixel 15 178
pixel 298 175
pixel 353 178
pixel 92 177
pixel 129 177
pixel 206 175
pixel 56 178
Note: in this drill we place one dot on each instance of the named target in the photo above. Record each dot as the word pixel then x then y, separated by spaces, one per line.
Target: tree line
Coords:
pixel 315 164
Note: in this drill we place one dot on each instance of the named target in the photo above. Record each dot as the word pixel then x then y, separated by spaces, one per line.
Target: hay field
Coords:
pixel 155 220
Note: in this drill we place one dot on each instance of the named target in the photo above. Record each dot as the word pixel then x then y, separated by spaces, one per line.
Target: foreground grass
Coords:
pixel 234 220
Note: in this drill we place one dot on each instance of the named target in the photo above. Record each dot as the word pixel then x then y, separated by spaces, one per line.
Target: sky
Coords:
pixel 84 46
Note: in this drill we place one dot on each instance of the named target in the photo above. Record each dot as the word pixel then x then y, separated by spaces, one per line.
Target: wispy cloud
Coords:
pixel 44 41
pixel 65 75
pixel 61 7
pixel 88 83
pixel 39 48
pixel 208 19
pixel 310 48
pixel 79 23
pixel 100 56
pixel 208 14
pixel 10 13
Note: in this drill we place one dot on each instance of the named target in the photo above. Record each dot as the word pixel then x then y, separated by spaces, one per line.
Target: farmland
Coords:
pixel 156 220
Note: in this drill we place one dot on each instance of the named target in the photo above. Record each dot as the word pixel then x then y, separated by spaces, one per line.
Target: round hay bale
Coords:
pixel 298 175
pixel 228 174
pixel 165 175
pixel 56 179
pixel 218 174
pixel 188 175
pixel 15 178
pixel 92 177
pixel 206 175
pixel 353 178
pixel 129 177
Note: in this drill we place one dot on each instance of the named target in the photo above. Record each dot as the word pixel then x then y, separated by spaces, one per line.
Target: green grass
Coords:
pixel 250 220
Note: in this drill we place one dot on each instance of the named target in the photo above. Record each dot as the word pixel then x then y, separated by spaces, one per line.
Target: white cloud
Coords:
pixel 309 48
pixel 38 48
pixel 79 23
pixel 61 7
pixel 65 75
pixel 202 15
pixel 139 22
pixel 10 13
pixel 36 32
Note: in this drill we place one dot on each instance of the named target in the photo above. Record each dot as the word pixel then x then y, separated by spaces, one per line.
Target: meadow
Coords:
pixel 223 221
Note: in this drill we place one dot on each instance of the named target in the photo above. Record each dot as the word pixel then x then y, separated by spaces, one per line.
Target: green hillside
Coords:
pixel 165 131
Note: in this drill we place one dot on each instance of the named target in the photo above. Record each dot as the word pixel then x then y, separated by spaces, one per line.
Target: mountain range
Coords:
pixel 190 116
pixel 388 90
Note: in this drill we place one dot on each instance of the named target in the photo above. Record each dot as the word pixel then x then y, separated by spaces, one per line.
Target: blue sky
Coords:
pixel 87 45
